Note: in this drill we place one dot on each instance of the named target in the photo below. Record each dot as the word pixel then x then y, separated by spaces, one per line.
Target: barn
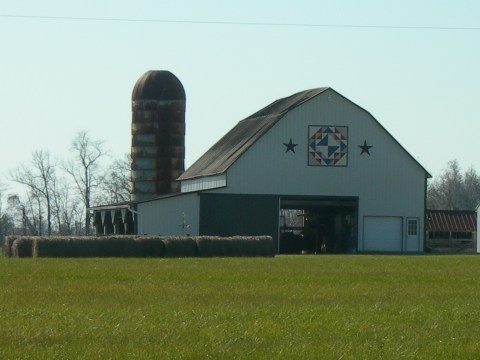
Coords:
pixel 313 170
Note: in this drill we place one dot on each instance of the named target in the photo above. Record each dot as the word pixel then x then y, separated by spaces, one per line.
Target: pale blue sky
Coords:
pixel 58 77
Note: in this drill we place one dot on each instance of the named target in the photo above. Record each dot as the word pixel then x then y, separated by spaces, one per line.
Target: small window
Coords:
pixel 412 227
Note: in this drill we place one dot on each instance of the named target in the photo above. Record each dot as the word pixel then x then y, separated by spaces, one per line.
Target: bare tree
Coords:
pixel 6 222
pixel 21 214
pixel 39 179
pixel 84 169
pixel 115 184
pixel 3 189
pixel 454 190
pixel 66 208
pixel 471 189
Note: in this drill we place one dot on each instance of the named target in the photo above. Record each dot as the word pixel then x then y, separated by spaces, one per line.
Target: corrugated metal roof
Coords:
pixel 451 220
pixel 231 146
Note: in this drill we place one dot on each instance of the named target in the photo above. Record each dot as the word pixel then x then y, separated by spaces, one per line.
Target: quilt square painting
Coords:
pixel 327 145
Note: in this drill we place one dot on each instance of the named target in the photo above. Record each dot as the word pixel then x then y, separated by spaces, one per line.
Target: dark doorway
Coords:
pixel 318 226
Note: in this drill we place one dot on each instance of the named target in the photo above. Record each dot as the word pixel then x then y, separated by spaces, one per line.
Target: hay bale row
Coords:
pixel 235 246
pixel 139 246
pixel 106 246
pixel 102 246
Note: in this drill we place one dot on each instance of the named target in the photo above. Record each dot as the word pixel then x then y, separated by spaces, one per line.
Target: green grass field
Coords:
pixel 293 307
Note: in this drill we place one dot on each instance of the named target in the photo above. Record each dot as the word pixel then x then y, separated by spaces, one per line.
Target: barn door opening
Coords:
pixel 318 226
pixel 382 233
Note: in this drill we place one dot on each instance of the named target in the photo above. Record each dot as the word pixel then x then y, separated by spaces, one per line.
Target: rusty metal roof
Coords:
pixel 158 85
pixel 451 220
pixel 231 146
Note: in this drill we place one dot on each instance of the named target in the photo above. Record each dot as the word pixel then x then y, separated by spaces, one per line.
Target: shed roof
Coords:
pixel 451 220
pixel 233 144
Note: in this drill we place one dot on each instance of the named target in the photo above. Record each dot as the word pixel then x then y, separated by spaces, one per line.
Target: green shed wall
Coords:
pixel 233 214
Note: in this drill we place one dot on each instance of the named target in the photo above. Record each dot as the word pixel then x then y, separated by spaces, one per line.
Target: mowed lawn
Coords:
pixel 291 307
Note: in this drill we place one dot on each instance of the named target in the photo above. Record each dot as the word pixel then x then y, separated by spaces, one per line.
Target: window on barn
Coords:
pixel 439 235
pixel 462 235
pixel 412 227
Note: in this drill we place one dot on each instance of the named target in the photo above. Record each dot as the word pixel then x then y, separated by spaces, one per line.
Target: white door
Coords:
pixel 412 234
pixel 382 233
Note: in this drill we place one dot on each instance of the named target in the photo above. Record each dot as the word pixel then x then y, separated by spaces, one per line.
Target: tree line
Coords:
pixel 57 193
pixel 454 189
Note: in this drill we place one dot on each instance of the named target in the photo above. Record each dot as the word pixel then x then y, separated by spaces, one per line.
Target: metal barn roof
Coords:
pixel 451 220
pixel 231 146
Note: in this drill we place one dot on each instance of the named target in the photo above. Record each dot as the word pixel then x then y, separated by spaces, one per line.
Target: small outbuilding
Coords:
pixel 313 170
pixel 451 231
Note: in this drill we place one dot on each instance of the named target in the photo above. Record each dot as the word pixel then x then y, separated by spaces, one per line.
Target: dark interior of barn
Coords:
pixel 318 226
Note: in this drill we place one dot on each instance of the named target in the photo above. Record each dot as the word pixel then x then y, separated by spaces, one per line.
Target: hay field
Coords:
pixel 289 307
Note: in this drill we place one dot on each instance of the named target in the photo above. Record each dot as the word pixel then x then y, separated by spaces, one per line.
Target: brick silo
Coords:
pixel 158 135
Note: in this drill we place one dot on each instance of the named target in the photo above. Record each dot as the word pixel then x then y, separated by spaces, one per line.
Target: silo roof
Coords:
pixel 158 85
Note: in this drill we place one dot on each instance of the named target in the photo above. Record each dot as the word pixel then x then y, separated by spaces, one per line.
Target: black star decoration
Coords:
pixel 290 146
pixel 365 148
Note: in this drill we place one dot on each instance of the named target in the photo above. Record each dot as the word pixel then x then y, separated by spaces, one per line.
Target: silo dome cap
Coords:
pixel 158 85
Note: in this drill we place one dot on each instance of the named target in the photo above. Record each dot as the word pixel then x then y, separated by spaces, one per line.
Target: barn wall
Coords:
pixel 166 216
pixel 204 183
pixel 388 182
pixel 231 214
pixel 478 230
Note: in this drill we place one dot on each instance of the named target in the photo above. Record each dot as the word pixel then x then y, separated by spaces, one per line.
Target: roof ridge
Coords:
pixel 244 134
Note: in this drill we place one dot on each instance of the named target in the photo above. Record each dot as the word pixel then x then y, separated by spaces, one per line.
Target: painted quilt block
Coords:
pixel 327 145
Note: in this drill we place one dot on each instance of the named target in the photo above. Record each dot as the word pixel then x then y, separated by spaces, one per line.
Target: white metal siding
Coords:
pixel 204 183
pixel 165 216
pixel 382 233
pixel 388 182
pixel 477 232
pixel 387 167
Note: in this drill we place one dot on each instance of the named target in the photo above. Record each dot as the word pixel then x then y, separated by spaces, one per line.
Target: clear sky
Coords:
pixel 400 60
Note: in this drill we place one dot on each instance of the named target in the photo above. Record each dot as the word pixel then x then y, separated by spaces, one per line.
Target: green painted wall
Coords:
pixel 233 214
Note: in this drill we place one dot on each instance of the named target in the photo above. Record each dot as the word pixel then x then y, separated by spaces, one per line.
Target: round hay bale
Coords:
pixel 266 246
pixel 211 246
pixel 7 245
pixel 151 246
pixel 253 246
pixel 54 246
pixel 180 247
pixel 22 247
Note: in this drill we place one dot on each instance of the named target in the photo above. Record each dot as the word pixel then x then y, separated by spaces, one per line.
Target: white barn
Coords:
pixel 313 170
pixel 478 227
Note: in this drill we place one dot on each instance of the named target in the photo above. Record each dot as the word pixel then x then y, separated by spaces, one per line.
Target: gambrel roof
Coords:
pixel 232 145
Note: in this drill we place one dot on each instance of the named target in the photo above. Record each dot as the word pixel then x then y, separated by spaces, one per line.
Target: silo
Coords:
pixel 158 134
